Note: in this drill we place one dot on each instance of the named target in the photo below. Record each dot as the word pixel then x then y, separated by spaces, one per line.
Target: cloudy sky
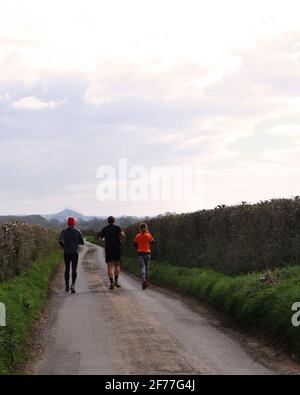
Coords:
pixel 211 84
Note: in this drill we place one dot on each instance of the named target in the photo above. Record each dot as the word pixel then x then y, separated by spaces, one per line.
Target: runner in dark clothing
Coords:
pixel 70 239
pixel 113 236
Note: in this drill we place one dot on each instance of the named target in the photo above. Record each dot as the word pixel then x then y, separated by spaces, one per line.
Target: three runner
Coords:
pixel 71 238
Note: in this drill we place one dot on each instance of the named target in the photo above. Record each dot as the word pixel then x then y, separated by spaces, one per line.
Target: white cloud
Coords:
pixel 5 98
pixel 33 103
pixel 156 81
pixel 289 157
pixel 46 36
pixel 287 130
pixel 115 82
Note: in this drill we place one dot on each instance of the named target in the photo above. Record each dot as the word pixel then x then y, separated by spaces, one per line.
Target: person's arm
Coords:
pixel 122 235
pixel 101 234
pixel 152 241
pixel 98 235
pixel 135 242
pixel 62 239
pixel 81 241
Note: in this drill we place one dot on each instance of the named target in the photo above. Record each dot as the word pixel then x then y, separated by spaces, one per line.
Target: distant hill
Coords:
pixel 85 222
pixel 63 215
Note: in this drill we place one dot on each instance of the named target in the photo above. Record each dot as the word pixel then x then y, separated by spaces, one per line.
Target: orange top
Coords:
pixel 143 241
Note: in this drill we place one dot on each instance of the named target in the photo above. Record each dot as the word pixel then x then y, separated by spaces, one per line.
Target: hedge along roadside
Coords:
pixel 21 244
pixel 234 240
pixel 24 297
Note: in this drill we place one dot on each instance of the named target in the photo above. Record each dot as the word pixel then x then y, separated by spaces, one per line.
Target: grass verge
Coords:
pixel 257 301
pixel 24 297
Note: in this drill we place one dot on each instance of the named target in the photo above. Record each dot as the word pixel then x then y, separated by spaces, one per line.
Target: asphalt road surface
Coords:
pixel 131 331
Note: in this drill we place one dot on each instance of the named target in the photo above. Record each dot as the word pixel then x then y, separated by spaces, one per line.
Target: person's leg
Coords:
pixel 74 268
pixel 141 261
pixel 67 270
pixel 145 271
pixel 117 262
pixel 117 269
pixel 117 273
pixel 147 267
pixel 110 273
pixel 110 266
pixel 141 265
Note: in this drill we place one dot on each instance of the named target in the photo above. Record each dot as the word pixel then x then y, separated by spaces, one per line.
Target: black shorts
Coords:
pixel 112 254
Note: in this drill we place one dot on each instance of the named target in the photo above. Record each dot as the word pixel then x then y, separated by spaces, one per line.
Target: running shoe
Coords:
pixel 117 284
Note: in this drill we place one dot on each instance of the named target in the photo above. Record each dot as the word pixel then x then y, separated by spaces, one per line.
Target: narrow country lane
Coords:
pixel 131 331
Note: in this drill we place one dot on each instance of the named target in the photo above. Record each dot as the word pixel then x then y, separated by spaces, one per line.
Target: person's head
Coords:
pixel 111 220
pixel 144 227
pixel 71 221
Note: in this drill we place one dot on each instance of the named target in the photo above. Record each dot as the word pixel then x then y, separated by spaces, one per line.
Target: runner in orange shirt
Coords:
pixel 143 241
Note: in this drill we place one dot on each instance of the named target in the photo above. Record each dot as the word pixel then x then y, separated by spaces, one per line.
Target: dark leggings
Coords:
pixel 71 259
